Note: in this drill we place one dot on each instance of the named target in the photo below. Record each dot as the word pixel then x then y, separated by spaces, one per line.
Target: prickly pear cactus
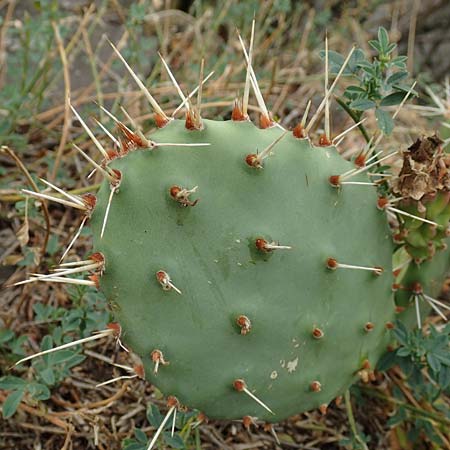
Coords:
pixel 202 291
pixel 249 269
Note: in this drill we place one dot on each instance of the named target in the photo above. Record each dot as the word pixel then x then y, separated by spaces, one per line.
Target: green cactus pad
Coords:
pixel 431 275
pixel 210 254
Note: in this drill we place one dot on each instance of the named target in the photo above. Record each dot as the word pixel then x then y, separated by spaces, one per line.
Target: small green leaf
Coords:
pixel 406 365
pixel 398 417
pixel 46 343
pixel 390 48
pixel 10 382
pixel 74 361
pixel 47 376
pixel 375 45
pixel 367 67
pixel 444 377
pixel 388 360
pixel 399 61
pixel 335 60
pixel 133 445
pixel 16 345
pixel 400 332
pixel 433 362
pixel 443 358
pixel 403 351
pixel 396 77
pixel 362 104
pixel 12 403
pixel 140 435
pixel 383 39
pixel 61 356
pixel 39 391
pixel 384 120
pixel 154 416
pixel 355 90
pixel 404 88
pixel 175 441
pixel 357 56
pixel 393 99
pixel 53 245
pixel 5 335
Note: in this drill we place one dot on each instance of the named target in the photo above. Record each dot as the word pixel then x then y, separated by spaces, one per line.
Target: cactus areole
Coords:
pixel 241 281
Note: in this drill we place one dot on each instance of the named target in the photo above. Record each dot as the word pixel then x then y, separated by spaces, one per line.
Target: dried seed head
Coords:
pixel 244 323
pixel 315 386
pixel 338 400
pixel 323 408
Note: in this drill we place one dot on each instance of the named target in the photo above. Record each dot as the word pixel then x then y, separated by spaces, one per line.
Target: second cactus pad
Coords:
pixel 291 326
